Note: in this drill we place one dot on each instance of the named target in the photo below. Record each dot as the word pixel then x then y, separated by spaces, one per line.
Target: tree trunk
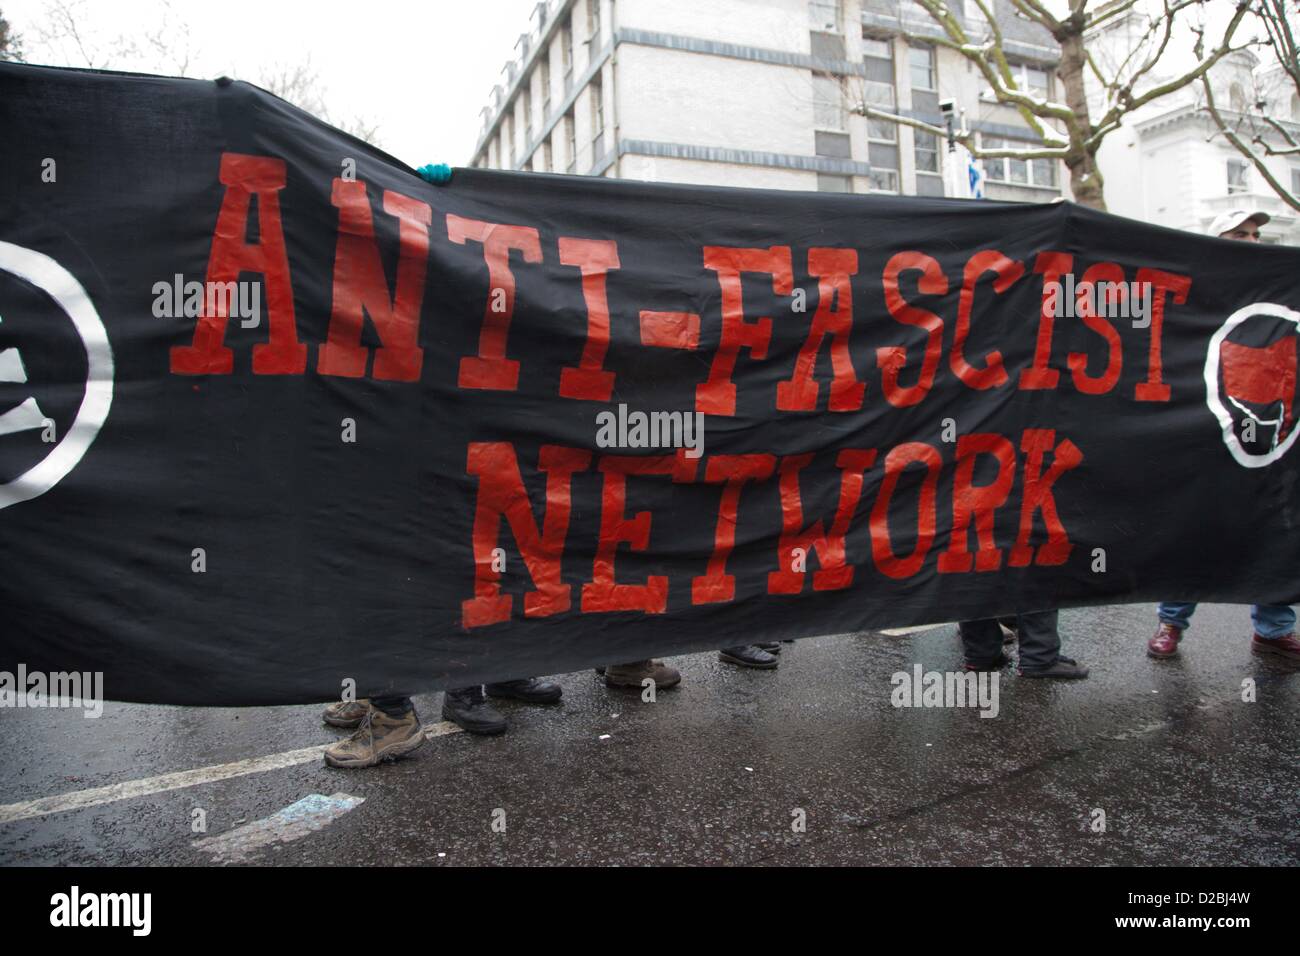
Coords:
pixel 1085 177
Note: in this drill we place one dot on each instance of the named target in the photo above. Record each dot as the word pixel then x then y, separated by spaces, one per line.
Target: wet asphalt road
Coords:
pixel 713 772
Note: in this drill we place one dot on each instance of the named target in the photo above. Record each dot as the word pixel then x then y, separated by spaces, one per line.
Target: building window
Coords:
pixel 920 63
pixel 527 101
pixel 831 183
pixel 926 148
pixel 508 131
pixel 1032 80
pixel 1017 172
pixel 878 87
pixel 1238 176
pixel 824 15
pixel 837 145
pixel 547 164
pixel 828 103
pixel 883 180
pixel 566 56
pixel 1038 82
pixel 593 22
pixel 571 135
pixel 545 74
pixel 597 118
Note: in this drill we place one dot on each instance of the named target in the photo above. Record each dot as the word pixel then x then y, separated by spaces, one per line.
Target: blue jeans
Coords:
pixel 1271 620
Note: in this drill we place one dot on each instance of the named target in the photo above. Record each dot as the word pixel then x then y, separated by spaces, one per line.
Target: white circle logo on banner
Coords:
pixel 60 285
pixel 1215 397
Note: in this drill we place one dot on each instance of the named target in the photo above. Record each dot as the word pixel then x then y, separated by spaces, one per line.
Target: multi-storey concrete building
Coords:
pixel 767 93
pixel 750 93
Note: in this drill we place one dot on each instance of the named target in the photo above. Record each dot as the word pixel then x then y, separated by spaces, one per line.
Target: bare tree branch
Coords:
pixel 1065 130
pixel 301 85
pixel 1245 150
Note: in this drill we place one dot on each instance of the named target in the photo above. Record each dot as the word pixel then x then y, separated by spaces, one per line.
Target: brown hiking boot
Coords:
pixel 631 675
pixel 1285 646
pixel 346 713
pixel 379 738
pixel 1165 641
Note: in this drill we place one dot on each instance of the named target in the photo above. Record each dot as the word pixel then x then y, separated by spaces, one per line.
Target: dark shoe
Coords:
pixel 1063 668
pixel 772 647
pixel 467 708
pixel 531 690
pixel 1285 646
pixel 748 655
pixel 346 713
pixel 1165 641
pixel 379 737
pixel 600 671
pixel 996 665
pixel 631 675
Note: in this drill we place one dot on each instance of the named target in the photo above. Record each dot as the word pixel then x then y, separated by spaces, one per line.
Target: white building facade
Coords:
pixel 758 93
pixel 767 93
pixel 1169 164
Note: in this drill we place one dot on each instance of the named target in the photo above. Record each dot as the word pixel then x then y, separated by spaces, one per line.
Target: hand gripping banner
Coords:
pixel 275 413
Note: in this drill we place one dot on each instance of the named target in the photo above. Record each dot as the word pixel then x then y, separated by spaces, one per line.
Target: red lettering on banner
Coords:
pixel 833 571
pixel 1078 361
pixel 603 592
pixel 231 253
pixel 595 257
pixel 1007 272
pixel 490 368
pixel 834 317
pixel 1036 495
pixel 735 470
pixel 501 494
pixel 882 548
pixel 891 359
pixel 1162 285
pixel 670 330
pixel 717 395
pixel 1051 266
pixel 360 288
pixel 978 502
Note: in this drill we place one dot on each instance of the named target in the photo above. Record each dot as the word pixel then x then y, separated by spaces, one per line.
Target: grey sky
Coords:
pixel 421 71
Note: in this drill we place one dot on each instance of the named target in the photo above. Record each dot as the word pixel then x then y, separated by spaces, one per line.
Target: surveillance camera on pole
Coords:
pixel 949 109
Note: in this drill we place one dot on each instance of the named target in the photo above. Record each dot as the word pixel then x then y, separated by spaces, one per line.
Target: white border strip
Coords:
pixel 97 796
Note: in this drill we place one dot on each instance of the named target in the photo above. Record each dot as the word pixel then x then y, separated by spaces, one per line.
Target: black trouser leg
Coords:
pixel 393 706
pixel 981 642
pixel 1040 640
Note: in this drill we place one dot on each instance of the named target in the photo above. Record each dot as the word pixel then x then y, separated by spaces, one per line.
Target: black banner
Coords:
pixel 276 413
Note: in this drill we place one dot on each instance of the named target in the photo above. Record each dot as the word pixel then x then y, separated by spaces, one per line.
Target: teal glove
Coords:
pixel 439 174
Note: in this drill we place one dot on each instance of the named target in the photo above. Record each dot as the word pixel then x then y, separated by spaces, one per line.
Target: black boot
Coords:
pixel 749 655
pixel 468 708
pixel 531 690
pixel 1063 668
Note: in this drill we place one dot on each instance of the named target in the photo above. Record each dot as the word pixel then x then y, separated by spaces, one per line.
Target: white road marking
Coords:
pixel 917 629
pixel 97 796
pixel 299 819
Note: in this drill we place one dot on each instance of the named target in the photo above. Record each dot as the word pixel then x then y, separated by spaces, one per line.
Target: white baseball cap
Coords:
pixel 1230 220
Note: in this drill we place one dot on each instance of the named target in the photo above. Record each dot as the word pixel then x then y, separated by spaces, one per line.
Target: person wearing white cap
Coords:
pixel 1243 224
pixel 1274 624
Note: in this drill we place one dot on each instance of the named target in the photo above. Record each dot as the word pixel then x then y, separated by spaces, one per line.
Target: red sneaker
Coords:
pixel 1165 641
pixel 1285 646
